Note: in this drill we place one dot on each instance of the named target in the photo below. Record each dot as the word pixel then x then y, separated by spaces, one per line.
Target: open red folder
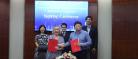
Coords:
pixel 52 44
pixel 74 45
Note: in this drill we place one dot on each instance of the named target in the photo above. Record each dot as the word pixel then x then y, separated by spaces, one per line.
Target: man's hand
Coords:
pixel 61 45
pixel 78 44
pixel 57 47
pixel 94 50
pixel 36 44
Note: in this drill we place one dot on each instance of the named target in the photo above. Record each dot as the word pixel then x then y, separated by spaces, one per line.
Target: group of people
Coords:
pixel 87 36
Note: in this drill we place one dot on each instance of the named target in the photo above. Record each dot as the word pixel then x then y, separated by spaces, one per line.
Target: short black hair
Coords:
pixel 40 27
pixel 88 17
pixel 64 24
pixel 77 22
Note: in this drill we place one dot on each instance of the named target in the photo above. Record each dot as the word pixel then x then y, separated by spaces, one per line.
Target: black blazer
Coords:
pixel 93 35
pixel 66 39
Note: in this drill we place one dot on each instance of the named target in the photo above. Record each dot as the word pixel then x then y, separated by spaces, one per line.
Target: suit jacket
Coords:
pixel 93 35
pixel 66 38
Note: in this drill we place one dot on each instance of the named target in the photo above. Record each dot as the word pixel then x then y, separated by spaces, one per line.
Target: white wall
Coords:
pixel 104 29
pixel 16 29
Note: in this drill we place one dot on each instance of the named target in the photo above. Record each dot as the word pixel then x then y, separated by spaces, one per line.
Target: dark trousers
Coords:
pixel 66 49
pixel 40 54
pixel 84 54
pixel 93 55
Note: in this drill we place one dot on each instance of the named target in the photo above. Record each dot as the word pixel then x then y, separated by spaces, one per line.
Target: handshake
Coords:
pixel 60 46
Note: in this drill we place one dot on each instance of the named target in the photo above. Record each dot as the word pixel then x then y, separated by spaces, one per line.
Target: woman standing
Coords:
pixel 56 36
pixel 41 43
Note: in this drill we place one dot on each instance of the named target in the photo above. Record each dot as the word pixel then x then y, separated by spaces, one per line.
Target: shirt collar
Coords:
pixel 78 32
pixel 89 26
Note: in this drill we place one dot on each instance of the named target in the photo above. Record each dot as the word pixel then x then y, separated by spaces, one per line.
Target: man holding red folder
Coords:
pixel 80 42
pixel 54 42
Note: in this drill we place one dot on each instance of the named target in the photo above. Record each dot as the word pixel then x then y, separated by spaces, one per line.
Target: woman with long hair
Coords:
pixel 41 43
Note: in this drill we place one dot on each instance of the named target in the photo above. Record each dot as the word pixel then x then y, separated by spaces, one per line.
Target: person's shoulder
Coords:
pixel 84 26
pixel 46 34
pixel 68 32
pixel 51 35
pixel 37 35
pixel 42 34
pixel 84 32
pixel 72 33
pixel 61 37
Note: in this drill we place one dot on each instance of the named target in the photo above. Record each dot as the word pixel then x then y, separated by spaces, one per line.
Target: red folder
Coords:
pixel 52 44
pixel 74 45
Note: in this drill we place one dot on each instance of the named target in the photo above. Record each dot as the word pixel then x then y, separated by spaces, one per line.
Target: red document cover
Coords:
pixel 52 44
pixel 74 45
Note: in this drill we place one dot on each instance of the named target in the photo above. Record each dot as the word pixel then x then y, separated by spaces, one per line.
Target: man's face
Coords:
pixel 78 27
pixel 89 21
pixel 56 30
pixel 63 27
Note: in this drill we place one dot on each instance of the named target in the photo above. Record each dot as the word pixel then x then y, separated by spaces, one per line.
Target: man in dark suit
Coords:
pixel 66 35
pixel 92 30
